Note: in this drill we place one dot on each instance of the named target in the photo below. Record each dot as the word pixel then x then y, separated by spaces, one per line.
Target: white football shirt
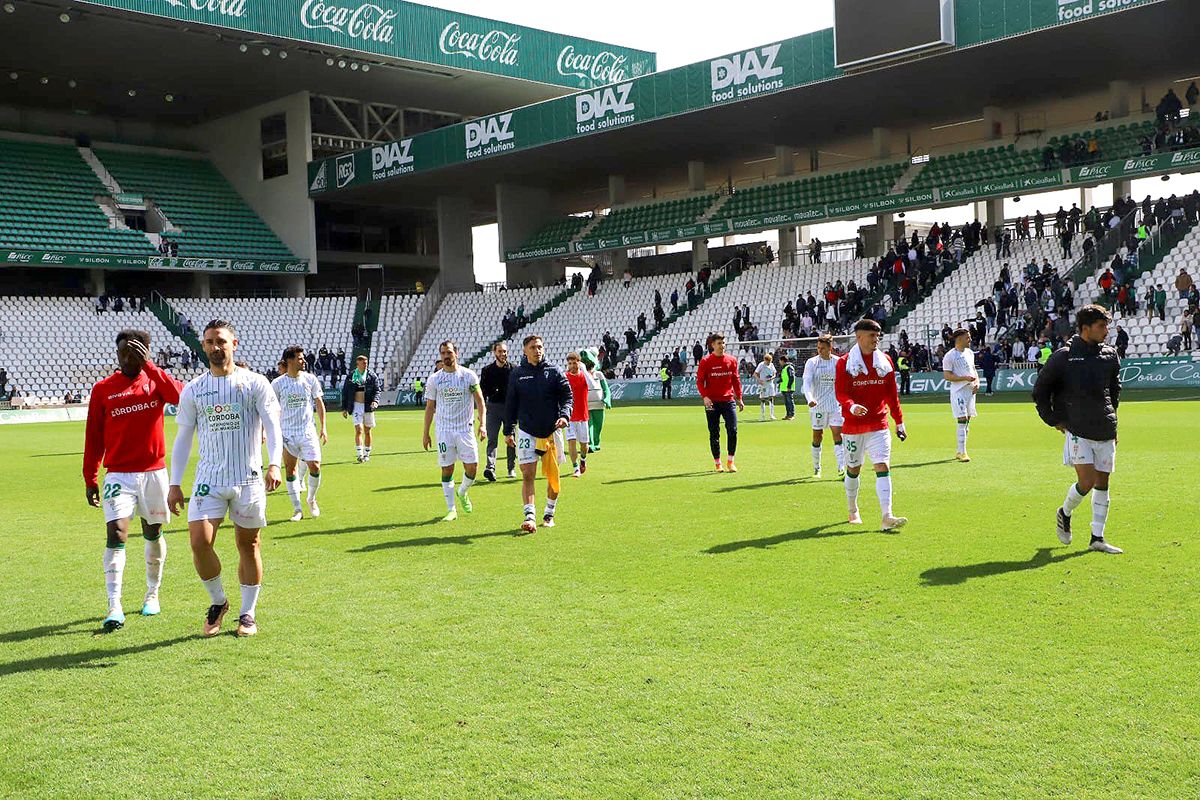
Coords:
pixel 227 413
pixel 817 384
pixel 296 397
pixel 963 365
pixel 453 393
pixel 765 372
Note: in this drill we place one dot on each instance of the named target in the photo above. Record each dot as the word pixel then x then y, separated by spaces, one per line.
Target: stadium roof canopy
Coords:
pixel 418 56
pixel 1009 68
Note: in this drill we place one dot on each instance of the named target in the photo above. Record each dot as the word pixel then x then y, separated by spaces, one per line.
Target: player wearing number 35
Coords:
pixel 125 430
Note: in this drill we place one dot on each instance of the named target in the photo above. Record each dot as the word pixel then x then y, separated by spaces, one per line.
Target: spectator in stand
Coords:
pixel 697 352
pixel 987 365
pixel 1183 282
pixel 1160 302
pixel 674 301
pixel 3 379
pixel 904 365
pixel 1192 94
pixel 1174 344
pixel 641 324
pixel 1122 341
pixel 627 278
pixel 1195 323
pixel 1039 225
pixel 1065 241
pixel 593 281
pixel 1185 329
pixel 814 250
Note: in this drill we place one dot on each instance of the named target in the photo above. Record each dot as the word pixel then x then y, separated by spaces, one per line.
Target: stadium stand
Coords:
pixel 632 219
pixel 473 320
pixel 52 344
pixel 1149 333
pixel 210 217
pixel 48 202
pixel 765 289
pixel 396 313
pixel 266 326
pixel 557 232
pixel 813 191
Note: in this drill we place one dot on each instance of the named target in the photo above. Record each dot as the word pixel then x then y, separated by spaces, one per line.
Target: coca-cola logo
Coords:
pixel 602 67
pixel 495 46
pixel 224 8
pixel 367 21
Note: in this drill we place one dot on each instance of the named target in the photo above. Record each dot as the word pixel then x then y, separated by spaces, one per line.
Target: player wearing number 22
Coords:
pixel 866 391
pixel 125 430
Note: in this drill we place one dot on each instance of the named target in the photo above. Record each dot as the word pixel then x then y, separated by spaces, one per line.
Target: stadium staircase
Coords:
pixel 910 175
pixel 172 320
pixel 537 314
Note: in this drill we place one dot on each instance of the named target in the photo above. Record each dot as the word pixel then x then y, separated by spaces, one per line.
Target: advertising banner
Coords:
pixel 47 258
pixel 398 29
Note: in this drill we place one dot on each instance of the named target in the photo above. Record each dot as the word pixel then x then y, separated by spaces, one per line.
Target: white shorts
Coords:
pixel 362 417
pixel 578 432
pixel 1100 454
pixel 825 418
pixel 876 444
pixel 527 447
pixel 459 446
pixel 246 505
pixel 143 493
pixel 305 448
pixel 963 405
pixel 767 391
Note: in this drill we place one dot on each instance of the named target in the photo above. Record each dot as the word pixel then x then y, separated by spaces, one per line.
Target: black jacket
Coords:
pixel 493 382
pixel 1080 387
pixel 369 387
pixel 537 398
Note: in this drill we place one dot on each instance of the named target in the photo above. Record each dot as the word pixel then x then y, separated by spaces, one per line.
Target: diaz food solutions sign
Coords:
pixel 399 29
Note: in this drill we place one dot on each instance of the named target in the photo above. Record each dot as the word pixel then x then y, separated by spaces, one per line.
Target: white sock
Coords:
pixel 962 436
pixel 840 452
pixel 359 450
pixel 883 488
pixel 550 506
pixel 771 403
pixel 216 591
pixel 293 491
pixel 1074 498
pixel 530 510
pixel 114 572
pixel 249 598
pixel 314 483
pixel 448 491
pixel 156 556
pixel 301 472
pixel 852 491
pixel 816 453
pixel 1099 512
pixel 367 451
pixel 467 483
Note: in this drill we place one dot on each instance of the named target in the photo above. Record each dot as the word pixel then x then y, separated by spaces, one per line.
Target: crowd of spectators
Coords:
pixel 117 305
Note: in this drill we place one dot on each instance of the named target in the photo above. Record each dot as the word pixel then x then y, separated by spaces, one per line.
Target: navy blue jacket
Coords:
pixel 537 398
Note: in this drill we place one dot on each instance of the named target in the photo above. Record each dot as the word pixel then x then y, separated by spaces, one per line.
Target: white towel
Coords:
pixel 855 365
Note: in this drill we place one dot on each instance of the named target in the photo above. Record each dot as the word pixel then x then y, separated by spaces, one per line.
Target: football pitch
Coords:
pixel 679 634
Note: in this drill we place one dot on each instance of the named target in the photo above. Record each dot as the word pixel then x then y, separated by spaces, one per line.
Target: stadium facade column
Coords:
pixel 1085 198
pixel 96 282
pixel 201 285
pixel 456 252
pixel 885 232
pixel 520 212
pixel 881 142
pixel 993 214
pixel 785 166
pixel 616 197
pixel 1118 99
pixel 696 184
pixel 1122 188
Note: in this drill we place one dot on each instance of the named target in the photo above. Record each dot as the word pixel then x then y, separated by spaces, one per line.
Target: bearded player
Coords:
pixel 125 431
pixel 298 393
pixel 866 391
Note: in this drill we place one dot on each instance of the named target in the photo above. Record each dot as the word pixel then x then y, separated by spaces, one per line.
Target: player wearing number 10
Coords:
pixel 451 395
pixel 125 430
pixel 227 409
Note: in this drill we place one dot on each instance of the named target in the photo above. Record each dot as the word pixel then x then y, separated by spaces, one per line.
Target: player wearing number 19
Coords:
pixel 866 388
pixel 125 430
pixel 227 409
pixel 451 395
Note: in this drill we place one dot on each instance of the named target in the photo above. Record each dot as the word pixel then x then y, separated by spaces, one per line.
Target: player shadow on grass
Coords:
pixel 924 464
pixel 72 628
pixel 99 658
pixel 820 532
pixel 426 541
pixel 951 576
pixel 54 455
pixel 641 478
pixel 388 526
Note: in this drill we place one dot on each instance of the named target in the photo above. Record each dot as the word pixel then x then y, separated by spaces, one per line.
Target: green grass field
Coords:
pixel 679 634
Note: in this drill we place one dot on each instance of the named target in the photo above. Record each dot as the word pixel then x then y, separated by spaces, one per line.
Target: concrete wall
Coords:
pixel 99 128
pixel 234 143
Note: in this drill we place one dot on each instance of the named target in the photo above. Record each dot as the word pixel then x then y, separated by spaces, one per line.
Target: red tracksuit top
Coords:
pixel 717 378
pixel 125 422
pixel 878 395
